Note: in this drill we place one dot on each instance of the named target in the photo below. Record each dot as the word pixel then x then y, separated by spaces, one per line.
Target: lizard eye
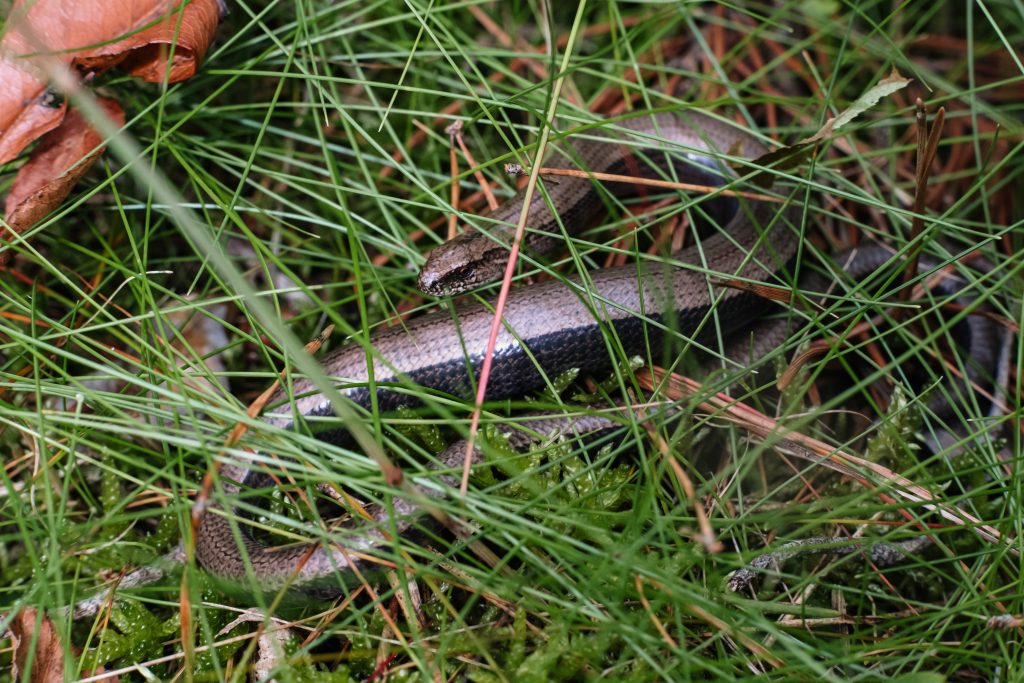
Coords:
pixel 459 279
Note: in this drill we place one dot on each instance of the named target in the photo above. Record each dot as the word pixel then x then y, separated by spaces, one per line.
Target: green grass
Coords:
pixel 276 150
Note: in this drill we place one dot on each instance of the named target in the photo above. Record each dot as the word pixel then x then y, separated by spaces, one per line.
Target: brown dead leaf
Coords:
pixel 36 643
pixel 91 35
pixel 27 110
pixel 145 53
pixel 55 166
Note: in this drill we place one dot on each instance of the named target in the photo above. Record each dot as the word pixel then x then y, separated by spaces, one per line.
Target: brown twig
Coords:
pixel 927 145
pixel 454 138
pixel 455 131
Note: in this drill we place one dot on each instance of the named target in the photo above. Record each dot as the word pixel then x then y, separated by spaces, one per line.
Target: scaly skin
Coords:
pixel 550 327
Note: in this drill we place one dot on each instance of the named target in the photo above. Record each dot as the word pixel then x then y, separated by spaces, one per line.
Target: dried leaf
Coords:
pixel 42 33
pixel 55 166
pixel 27 110
pixel 37 643
pixel 144 54
pixel 789 156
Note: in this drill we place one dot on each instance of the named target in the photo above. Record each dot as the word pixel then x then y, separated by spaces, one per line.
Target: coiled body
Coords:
pixel 557 325
pixel 549 327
